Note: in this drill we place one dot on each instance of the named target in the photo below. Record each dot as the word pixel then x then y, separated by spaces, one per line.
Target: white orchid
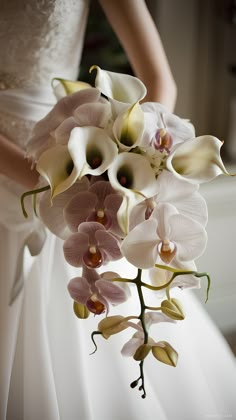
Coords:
pixel 163 130
pixel 167 234
pixel 178 192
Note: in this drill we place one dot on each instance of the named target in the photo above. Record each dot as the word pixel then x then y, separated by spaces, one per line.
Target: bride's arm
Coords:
pixel 139 37
pixel 14 164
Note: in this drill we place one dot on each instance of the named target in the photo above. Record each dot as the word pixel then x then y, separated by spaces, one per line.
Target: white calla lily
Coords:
pixel 92 150
pixel 197 160
pixel 128 127
pixel 61 174
pixel 63 87
pixel 119 88
pixel 134 184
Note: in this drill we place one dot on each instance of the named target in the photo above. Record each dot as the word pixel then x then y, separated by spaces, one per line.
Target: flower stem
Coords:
pixel 31 192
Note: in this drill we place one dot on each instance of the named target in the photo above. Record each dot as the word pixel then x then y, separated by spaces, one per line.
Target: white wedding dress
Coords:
pixel 46 370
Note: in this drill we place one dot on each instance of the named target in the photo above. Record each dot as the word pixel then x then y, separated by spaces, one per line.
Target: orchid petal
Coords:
pixel 197 160
pixel 51 214
pixel 59 176
pixel 112 292
pixel 79 289
pixel 78 209
pixel 88 143
pixel 109 245
pixel 75 247
pixel 183 195
pixel 95 114
pixel 129 348
pixel 190 237
pixel 62 132
pixel 128 127
pixel 140 246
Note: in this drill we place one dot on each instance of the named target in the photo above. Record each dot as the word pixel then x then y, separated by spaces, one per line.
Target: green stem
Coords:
pixel 153 308
pixel 139 284
pixel 31 192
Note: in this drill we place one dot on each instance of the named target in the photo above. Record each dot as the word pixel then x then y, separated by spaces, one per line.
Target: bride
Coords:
pixel 46 370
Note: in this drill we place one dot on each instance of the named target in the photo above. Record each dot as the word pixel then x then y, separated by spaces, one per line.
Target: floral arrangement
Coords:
pixel 120 179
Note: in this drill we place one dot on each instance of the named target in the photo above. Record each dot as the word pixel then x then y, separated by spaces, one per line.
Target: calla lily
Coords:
pixel 60 175
pixel 128 127
pixel 119 88
pixel 197 160
pixel 135 185
pixel 167 234
pixel 92 150
pixel 63 87
pixel 43 134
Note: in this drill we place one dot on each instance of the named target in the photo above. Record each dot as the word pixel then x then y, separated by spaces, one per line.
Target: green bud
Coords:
pixel 142 352
pixel 173 309
pixel 80 310
pixel 165 353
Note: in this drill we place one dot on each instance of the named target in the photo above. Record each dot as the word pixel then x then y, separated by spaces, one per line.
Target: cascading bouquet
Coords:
pixel 122 180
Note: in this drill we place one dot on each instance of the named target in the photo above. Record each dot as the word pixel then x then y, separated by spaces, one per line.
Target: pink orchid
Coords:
pixel 99 204
pixel 97 291
pixel 92 246
pixel 167 234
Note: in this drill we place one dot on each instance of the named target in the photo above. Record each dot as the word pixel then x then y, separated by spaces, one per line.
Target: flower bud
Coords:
pixel 80 310
pixel 173 309
pixel 165 353
pixel 112 325
pixel 142 352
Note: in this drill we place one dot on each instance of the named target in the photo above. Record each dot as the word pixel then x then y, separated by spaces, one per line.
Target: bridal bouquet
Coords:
pixel 119 180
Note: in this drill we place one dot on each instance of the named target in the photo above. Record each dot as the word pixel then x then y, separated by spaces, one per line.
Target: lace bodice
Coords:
pixel 40 39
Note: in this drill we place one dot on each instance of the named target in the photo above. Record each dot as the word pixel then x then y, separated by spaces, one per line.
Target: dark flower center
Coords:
pixel 125 177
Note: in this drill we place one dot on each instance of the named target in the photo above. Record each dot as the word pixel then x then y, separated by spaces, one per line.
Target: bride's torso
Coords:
pixel 39 40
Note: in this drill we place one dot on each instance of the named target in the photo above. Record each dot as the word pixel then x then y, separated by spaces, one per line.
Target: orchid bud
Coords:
pixel 112 325
pixel 142 352
pixel 80 310
pixel 165 353
pixel 173 308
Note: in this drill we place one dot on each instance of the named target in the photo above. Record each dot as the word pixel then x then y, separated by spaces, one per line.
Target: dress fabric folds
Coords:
pixel 46 370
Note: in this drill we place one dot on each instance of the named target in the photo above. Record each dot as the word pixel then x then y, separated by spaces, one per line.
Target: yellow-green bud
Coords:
pixel 173 309
pixel 142 352
pixel 80 310
pixel 165 353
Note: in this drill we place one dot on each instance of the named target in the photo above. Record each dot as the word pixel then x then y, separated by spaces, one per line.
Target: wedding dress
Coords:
pixel 46 370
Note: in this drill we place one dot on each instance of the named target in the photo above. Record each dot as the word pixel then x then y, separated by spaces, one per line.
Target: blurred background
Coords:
pixel 199 37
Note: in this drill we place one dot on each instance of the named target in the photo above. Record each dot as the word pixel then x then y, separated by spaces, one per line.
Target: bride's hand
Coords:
pixel 14 165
